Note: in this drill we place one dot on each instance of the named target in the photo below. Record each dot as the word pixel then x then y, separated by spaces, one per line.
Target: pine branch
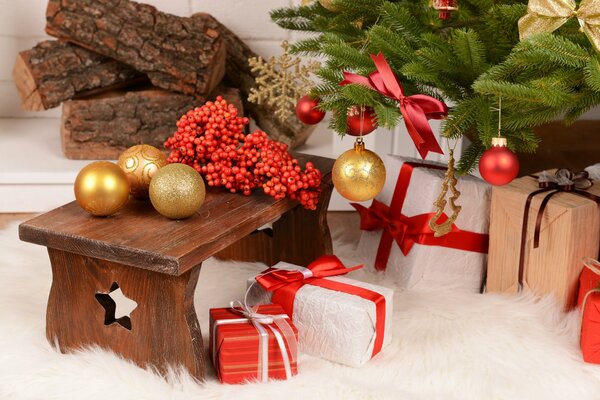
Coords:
pixel 592 74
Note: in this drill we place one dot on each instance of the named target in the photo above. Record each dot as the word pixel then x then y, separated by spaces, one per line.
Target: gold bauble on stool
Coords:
pixel 358 174
pixel 101 188
pixel 177 191
pixel 140 163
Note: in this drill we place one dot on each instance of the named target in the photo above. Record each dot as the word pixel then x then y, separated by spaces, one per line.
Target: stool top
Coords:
pixel 139 236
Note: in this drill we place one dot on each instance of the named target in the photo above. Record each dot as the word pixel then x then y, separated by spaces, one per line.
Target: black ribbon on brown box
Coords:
pixel 563 181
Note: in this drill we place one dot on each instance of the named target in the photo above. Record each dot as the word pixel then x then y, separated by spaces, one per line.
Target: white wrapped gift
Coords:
pixel 429 262
pixel 332 324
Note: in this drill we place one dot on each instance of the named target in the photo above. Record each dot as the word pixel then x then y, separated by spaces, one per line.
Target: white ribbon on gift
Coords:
pixel 283 332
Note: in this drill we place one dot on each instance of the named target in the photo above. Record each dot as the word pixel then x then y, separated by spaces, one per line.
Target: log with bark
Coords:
pixel 238 74
pixel 55 71
pixel 102 127
pixel 177 53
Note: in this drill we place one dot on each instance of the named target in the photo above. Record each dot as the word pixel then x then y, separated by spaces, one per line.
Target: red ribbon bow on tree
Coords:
pixel 416 110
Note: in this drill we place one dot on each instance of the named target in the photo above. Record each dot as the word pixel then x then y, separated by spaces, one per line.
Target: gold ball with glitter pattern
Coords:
pixel 358 174
pixel 140 163
pixel 101 188
pixel 177 191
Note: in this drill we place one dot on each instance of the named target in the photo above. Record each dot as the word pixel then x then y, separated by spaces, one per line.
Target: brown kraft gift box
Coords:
pixel 569 231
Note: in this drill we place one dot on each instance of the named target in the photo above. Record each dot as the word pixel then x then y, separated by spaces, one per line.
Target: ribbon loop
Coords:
pixel 274 279
pixel 545 16
pixel 416 110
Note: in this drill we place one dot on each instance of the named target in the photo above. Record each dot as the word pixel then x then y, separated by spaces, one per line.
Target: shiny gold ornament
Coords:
pixel 450 182
pixel 140 163
pixel 328 4
pixel 358 174
pixel 177 191
pixel 101 188
pixel 549 15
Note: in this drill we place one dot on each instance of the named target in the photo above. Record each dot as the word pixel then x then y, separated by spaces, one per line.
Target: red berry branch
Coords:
pixel 211 139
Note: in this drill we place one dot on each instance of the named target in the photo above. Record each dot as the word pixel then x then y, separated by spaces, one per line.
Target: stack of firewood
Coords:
pixel 125 72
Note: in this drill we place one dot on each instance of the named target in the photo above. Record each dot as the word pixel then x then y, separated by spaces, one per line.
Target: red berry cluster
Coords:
pixel 211 139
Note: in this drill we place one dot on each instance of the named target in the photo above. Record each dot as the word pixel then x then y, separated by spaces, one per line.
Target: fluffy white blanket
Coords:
pixel 445 346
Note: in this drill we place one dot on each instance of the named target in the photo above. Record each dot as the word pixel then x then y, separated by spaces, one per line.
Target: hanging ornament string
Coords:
pixel 449 183
pixel 498 165
pixel 549 15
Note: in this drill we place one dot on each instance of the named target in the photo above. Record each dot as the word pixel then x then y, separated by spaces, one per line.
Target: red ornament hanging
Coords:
pixel 499 165
pixel 361 120
pixel 445 7
pixel 307 111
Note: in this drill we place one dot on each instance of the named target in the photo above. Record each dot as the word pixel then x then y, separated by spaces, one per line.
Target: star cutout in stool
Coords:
pixel 117 306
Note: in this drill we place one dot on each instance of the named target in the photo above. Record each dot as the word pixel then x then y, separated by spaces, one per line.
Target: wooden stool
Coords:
pixel 156 262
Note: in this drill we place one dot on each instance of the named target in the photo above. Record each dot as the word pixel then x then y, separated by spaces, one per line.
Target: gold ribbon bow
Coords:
pixel 549 15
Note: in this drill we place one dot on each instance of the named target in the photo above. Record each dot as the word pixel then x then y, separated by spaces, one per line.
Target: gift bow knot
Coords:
pixel 249 313
pixel 377 218
pixel 565 180
pixel 406 231
pixel 416 110
pixel 324 266
pixel 544 16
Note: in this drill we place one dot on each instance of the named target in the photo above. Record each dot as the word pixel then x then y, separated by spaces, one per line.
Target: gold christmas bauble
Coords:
pixel 140 163
pixel 328 4
pixel 101 188
pixel 177 191
pixel 358 174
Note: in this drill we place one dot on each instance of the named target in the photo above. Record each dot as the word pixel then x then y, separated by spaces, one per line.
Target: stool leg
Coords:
pixel 161 331
pixel 301 235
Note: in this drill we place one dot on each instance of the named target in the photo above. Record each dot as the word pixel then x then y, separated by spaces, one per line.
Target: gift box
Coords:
pixel 249 346
pixel 397 238
pixel 589 301
pixel 338 319
pixel 541 228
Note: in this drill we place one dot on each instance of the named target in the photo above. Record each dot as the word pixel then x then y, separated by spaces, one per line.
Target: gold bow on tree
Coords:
pixel 549 15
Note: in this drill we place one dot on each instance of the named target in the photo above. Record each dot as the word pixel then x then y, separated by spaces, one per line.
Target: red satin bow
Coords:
pixel 406 231
pixel 324 266
pixel 416 110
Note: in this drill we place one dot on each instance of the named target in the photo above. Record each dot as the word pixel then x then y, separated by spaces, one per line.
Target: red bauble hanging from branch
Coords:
pixel 445 7
pixel 361 120
pixel 308 112
pixel 499 165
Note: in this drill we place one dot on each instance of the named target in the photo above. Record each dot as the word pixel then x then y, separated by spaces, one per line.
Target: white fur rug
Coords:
pixel 446 346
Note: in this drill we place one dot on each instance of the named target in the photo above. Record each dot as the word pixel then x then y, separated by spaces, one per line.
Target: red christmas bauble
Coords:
pixel 354 118
pixel 498 165
pixel 445 7
pixel 307 111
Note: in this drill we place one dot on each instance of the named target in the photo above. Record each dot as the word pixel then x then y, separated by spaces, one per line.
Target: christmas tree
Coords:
pixel 469 60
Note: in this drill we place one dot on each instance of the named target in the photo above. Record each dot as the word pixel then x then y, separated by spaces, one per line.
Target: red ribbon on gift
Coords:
pixel 406 231
pixel 285 284
pixel 416 110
